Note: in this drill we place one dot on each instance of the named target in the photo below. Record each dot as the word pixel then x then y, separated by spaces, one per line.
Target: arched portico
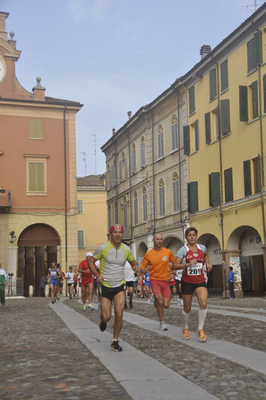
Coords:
pixel 37 249
pixel 245 255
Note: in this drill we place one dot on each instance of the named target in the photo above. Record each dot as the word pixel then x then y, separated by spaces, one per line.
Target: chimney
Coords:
pixel 113 131
pixel 204 50
pixel 3 17
pixel 39 90
pixel 129 114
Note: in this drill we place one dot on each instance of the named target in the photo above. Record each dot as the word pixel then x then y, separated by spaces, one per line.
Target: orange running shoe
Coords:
pixel 186 334
pixel 201 334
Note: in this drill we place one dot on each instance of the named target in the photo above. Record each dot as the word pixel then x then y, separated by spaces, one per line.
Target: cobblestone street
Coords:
pixel 41 358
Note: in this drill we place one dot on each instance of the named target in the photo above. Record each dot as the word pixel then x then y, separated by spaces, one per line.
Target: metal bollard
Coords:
pixel 30 291
pixel 46 291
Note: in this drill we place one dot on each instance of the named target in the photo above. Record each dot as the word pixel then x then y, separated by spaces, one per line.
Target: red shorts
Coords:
pixel 85 282
pixel 161 287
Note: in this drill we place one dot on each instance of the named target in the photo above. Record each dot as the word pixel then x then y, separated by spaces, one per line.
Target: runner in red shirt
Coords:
pixel 86 282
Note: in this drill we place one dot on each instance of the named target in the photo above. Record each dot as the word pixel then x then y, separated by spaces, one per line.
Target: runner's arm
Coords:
pixel 135 266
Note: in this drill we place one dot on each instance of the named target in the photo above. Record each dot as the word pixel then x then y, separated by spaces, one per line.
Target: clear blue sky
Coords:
pixel 113 56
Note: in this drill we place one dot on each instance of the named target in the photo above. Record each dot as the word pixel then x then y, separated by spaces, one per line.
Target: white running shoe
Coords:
pixel 163 327
pixel 148 301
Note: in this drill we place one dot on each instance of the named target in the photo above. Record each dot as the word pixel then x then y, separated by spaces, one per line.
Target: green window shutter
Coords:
pixel 214 186
pixel 191 94
pixel 213 92
pixel 36 177
pixel 264 92
pixel 251 55
pixel 255 99
pixel 35 128
pixel 258 48
pixel 208 127
pixel 243 103
pixel 224 75
pixel 193 196
pixel 186 134
pixel 225 116
pixel 247 178
pixel 196 135
pixel 228 184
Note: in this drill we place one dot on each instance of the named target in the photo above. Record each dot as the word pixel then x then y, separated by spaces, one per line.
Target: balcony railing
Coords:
pixel 5 200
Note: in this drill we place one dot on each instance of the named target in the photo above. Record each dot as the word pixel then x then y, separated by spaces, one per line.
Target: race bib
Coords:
pixel 195 269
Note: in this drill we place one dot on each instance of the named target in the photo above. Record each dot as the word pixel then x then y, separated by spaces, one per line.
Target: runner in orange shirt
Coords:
pixel 156 262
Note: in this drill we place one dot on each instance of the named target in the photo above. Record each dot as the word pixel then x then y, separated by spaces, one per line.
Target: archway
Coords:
pixel 37 249
pixel 245 242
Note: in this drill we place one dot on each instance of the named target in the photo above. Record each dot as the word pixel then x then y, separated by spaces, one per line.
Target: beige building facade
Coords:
pixel 92 214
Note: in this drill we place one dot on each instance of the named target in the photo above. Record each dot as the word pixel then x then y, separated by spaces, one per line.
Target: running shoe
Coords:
pixel 70 296
pixel 102 326
pixel 130 304
pixel 182 302
pixel 178 302
pixel 52 301
pixel 115 346
pixel 84 308
pixel 186 334
pixel 200 333
pixel 148 301
pixel 90 307
pixel 125 306
pixel 163 327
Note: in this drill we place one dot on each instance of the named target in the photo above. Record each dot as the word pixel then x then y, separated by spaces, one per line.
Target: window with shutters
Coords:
pixel 161 199
pixel 123 166
pixel 228 184
pixel 191 100
pixel 133 159
pixel 136 210
pixel 214 188
pixel 208 127
pixel 224 75
pixel 214 125
pixel 243 103
pixel 175 193
pixel 80 206
pixel 36 176
pixel 113 175
pixel 193 197
pixel 35 128
pixel 247 178
pixel 175 144
pixel 213 84
pixel 160 142
pixel 81 241
pixel 186 138
pixel 254 51
pixel 145 207
pixel 142 153
pixel 248 102
pixel 225 116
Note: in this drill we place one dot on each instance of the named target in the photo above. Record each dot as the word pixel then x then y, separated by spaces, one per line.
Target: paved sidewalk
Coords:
pixel 58 351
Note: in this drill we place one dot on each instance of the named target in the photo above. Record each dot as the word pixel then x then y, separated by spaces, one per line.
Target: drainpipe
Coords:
pixel 65 173
pixel 221 179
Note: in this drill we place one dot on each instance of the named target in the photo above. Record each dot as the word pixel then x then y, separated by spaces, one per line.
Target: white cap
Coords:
pixel 89 254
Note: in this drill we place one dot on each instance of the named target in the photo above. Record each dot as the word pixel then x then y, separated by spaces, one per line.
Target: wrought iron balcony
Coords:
pixel 5 200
